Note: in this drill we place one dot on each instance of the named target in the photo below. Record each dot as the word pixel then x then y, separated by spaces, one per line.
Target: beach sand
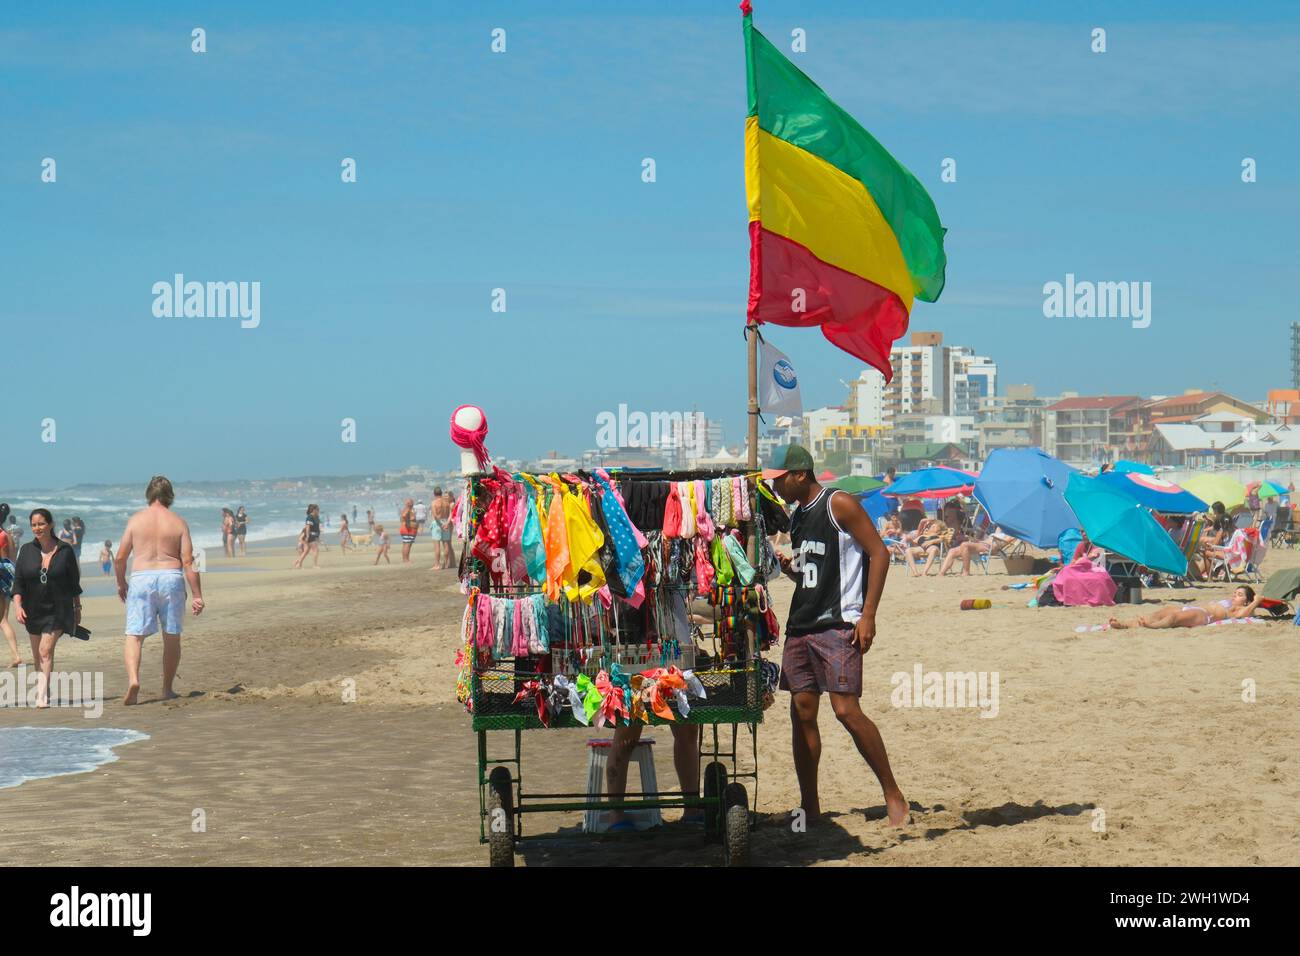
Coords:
pixel 1149 728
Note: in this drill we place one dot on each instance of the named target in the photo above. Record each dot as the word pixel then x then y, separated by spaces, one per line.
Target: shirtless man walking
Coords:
pixel 440 511
pixel 164 562
pixel 839 572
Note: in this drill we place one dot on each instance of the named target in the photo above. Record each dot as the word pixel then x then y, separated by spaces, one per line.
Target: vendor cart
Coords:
pixel 507 696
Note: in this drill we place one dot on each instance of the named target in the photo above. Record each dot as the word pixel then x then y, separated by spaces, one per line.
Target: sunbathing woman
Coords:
pixel 1242 604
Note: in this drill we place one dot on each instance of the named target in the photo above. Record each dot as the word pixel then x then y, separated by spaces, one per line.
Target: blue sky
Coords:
pixel 522 171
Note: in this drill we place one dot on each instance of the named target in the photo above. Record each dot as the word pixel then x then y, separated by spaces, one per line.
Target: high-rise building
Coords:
pixel 918 375
pixel 968 379
pixel 1295 354
pixel 867 399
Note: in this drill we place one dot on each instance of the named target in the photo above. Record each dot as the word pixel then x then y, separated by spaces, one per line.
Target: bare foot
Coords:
pixel 43 704
pixel 16 663
pixel 896 811
pixel 1117 624
pixel 132 692
pixel 170 695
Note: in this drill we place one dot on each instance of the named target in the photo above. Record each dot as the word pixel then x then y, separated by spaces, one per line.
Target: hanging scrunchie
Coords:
pixel 673 512
pixel 501 623
pixel 534 689
pixel 739 502
pixel 569 695
pixel 721 560
pixel 703 568
pixel 685 492
pixel 744 570
pixel 539 623
pixel 519 639
pixel 591 697
pixel 466 434
pixel 483 622
pixel 612 701
pixel 702 520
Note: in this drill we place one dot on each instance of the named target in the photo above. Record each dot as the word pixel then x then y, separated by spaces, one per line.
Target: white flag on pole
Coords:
pixel 778 385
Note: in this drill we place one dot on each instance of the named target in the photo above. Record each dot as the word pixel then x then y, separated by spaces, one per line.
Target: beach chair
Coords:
pixel 1281 526
pixel 1189 543
pixel 1242 557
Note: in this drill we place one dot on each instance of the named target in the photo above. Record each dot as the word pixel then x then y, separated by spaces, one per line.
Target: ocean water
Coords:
pixel 106 517
pixel 30 753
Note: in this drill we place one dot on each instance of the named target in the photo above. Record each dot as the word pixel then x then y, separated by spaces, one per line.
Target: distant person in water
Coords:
pixel 47 595
pixel 106 558
pixel 8 549
pixel 1242 604
pixel 241 531
pixel 228 532
pixel 311 530
pixel 155 595
pixel 381 542
pixel 79 531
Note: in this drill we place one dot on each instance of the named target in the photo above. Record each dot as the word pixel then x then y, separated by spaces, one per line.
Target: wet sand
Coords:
pixel 1147 727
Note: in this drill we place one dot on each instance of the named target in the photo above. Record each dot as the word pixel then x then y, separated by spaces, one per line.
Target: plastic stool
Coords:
pixel 593 821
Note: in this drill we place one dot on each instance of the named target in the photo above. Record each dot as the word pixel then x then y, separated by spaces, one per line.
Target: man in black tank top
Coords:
pixel 839 572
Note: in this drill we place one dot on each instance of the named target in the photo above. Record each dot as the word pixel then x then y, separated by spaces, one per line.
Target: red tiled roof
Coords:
pixel 1093 401
pixel 1195 398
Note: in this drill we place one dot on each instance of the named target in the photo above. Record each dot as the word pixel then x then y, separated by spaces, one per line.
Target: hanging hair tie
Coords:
pixel 702 520
pixel 673 512
pixel 685 492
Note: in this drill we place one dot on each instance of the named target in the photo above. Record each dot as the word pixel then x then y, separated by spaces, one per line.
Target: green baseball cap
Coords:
pixel 788 458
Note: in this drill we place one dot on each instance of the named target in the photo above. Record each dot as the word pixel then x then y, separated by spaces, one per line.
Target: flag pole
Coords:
pixel 751 325
pixel 751 346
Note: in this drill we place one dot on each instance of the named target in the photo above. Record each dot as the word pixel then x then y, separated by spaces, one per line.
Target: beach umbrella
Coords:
pixel 857 484
pixel 1282 585
pixel 1156 493
pixel 1212 488
pixel 1270 489
pixel 1125 467
pixel 875 504
pixel 1117 522
pixel 937 482
pixel 1023 490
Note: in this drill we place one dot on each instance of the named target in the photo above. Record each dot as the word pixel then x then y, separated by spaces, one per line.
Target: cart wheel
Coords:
pixel 715 786
pixel 501 824
pixel 735 838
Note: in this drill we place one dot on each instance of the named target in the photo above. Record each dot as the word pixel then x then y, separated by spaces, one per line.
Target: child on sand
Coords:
pixel 381 541
pixel 106 558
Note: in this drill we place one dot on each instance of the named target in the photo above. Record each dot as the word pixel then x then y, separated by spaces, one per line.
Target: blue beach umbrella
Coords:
pixel 1115 521
pixel 876 504
pixel 937 482
pixel 1023 490
pixel 1125 467
pixel 1156 493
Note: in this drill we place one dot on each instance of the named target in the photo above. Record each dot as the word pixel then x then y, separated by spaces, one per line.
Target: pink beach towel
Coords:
pixel 1082 582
